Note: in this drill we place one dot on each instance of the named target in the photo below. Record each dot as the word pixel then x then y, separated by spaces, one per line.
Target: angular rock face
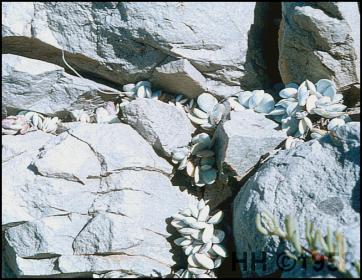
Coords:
pixel 164 126
pixel 180 77
pixel 318 180
pixel 29 84
pixel 126 42
pixel 243 140
pixel 320 40
pixel 105 220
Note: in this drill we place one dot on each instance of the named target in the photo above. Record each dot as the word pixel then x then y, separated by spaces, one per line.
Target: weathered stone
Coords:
pixel 124 42
pixel 30 142
pixel 163 125
pixel 118 146
pixel 47 237
pixel 318 180
pixel 59 161
pixel 243 140
pixel 110 221
pixel 29 84
pixel 320 40
pixel 107 233
pixel 180 77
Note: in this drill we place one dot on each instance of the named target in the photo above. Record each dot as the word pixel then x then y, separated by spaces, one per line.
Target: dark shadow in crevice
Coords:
pixel 36 49
pixel 270 47
pixel 356 196
pixel 263 53
pixel 178 256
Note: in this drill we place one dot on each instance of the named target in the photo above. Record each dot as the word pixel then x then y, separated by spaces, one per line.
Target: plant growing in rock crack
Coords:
pixel 199 161
pixel 38 121
pixel 108 113
pixel 320 100
pixel 12 125
pixel 80 116
pixel 200 241
pixel 330 248
pixel 258 100
pixel 207 112
pixel 142 89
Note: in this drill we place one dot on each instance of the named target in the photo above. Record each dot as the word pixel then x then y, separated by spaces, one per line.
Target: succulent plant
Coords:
pixel 201 162
pixel 108 113
pixel 299 101
pixel 328 103
pixel 207 113
pixel 198 161
pixel 200 241
pixel 258 100
pixel 180 156
pixel 330 248
pixel 81 116
pixel 12 125
pixel 142 89
pixel 331 126
pixel 38 121
pixel 183 103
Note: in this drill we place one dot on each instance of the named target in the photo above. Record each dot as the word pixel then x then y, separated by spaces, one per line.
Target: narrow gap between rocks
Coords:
pixel 269 44
pixel 35 49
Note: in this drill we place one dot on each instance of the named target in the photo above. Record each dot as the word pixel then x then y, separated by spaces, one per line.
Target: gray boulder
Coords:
pixel 320 40
pixel 164 126
pixel 318 180
pixel 125 42
pixel 243 140
pixel 29 84
pixel 109 220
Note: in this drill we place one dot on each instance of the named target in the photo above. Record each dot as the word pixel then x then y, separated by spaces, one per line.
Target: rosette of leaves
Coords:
pixel 180 156
pixel 142 89
pixel 200 165
pixel 38 121
pixel 201 242
pixel 207 112
pixel 330 248
pixel 331 126
pixel 108 113
pixel 321 100
pixel 199 161
pixel 328 103
pixel 80 116
pixel 184 103
pixel 292 110
pixel 12 125
pixel 258 100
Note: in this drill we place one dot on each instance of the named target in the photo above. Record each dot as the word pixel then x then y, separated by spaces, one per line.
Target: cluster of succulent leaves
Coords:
pixel 199 161
pixel 330 248
pixel 319 100
pixel 257 100
pixel 200 241
pixel 106 114
pixel 207 112
pixel 27 121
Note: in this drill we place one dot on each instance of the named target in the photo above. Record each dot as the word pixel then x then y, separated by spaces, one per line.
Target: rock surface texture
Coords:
pixel 127 42
pixel 30 84
pixel 125 125
pixel 81 203
pixel 164 126
pixel 243 140
pixel 318 180
pixel 320 40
